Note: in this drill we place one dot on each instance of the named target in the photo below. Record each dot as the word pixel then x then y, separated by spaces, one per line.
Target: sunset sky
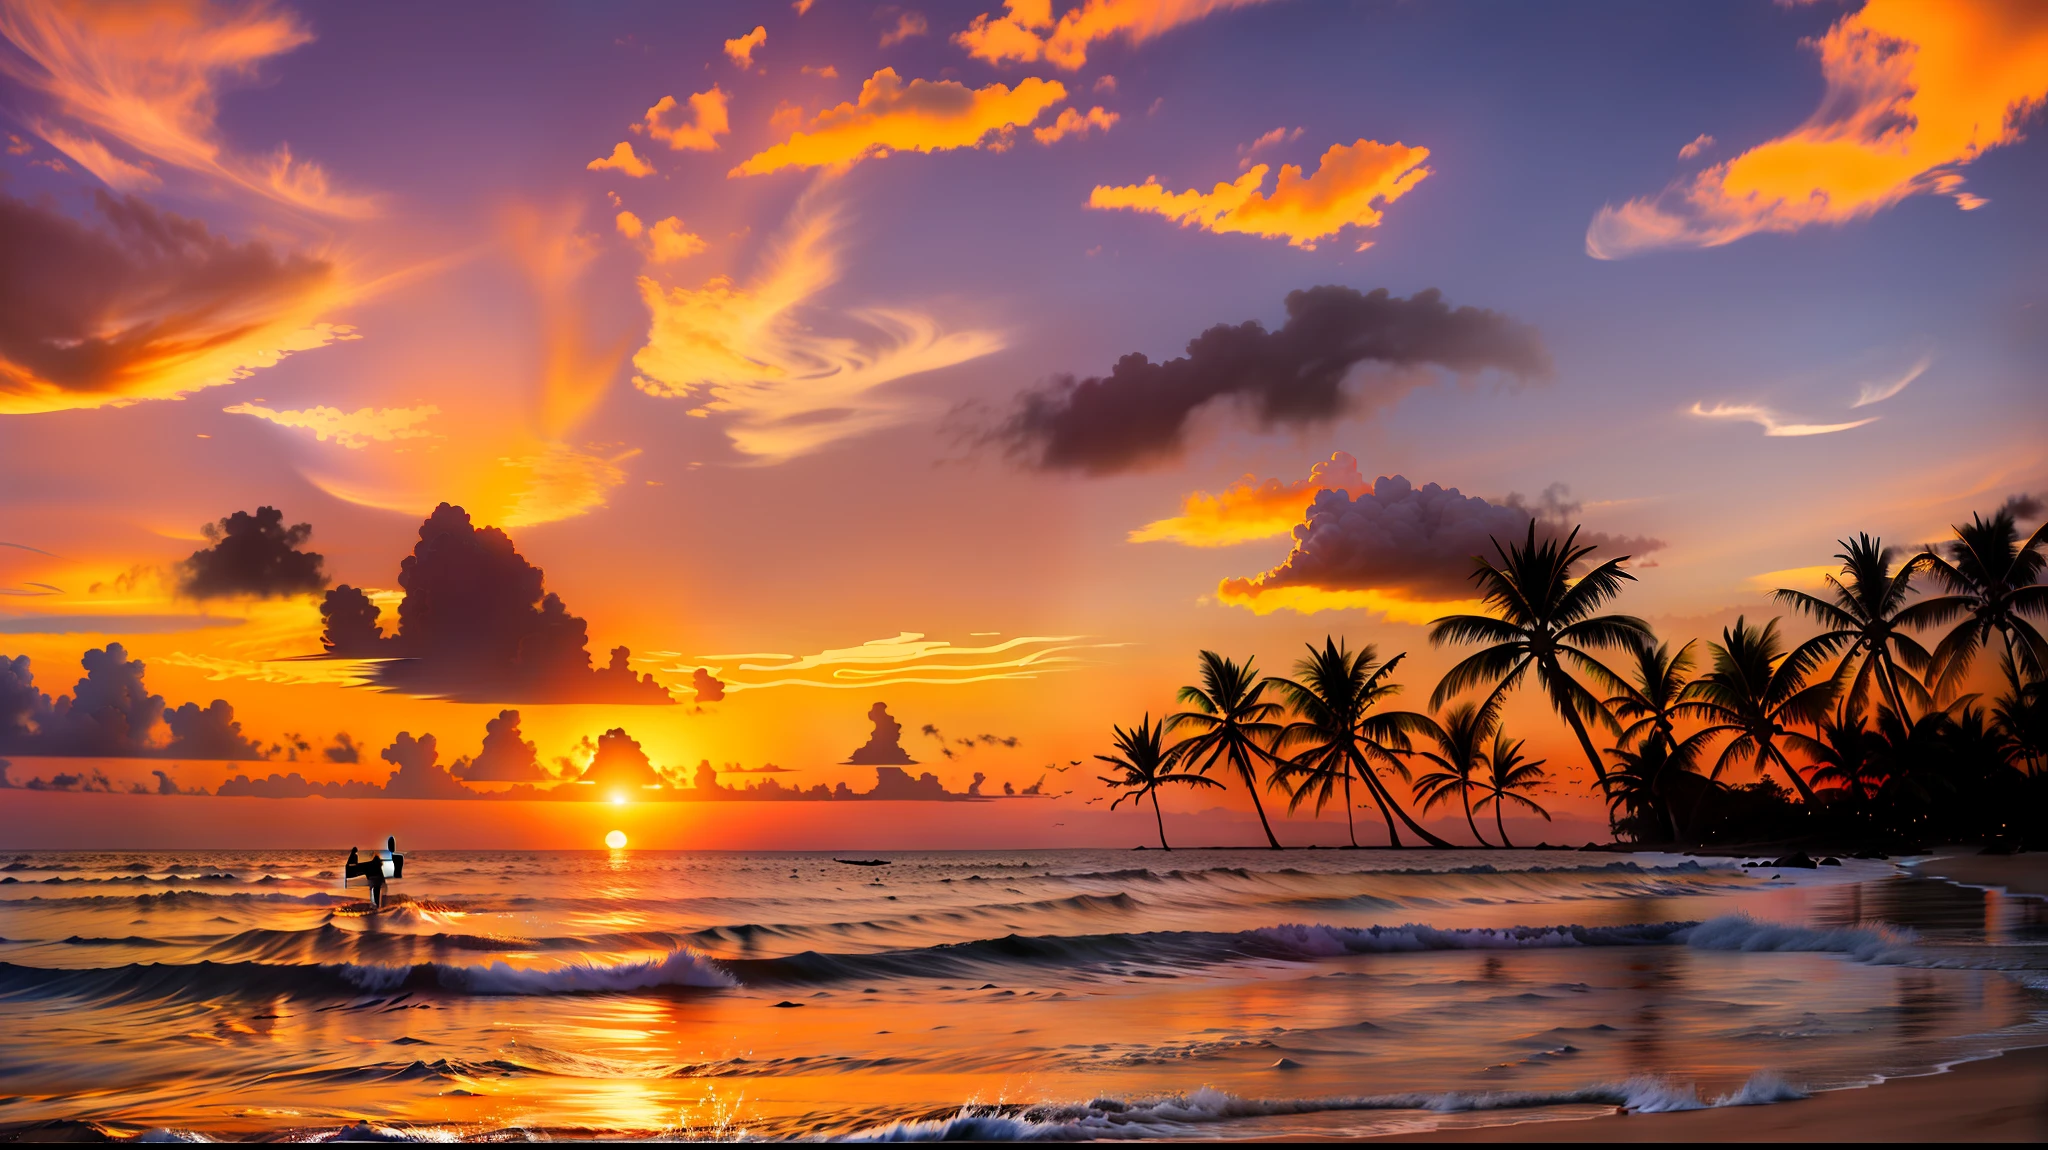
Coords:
pixel 788 342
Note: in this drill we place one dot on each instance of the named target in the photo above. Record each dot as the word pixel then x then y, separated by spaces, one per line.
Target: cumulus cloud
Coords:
pixel 908 24
pixel 619 764
pixel 505 758
pixel 110 713
pixel 741 50
pixel 668 240
pixel 1027 32
pixel 623 160
pixel 920 116
pixel 477 624
pixel 1249 509
pixel 149 78
pixel 707 685
pixel 885 743
pixel 1138 413
pixel 1302 209
pixel 708 121
pixel 1072 123
pixel 354 430
pixel 419 774
pixel 296 786
pixel 789 377
pixel 151 306
pixel 1914 92
pixel 252 555
pixel 342 750
pixel 1405 551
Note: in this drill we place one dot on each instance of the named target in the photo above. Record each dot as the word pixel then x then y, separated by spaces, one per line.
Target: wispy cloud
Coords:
pixel 1027 32
pixel 150 77
pixel 351 429
pixel 1877 391
pixel 907 657
pixel 756 353
pixel 1774 424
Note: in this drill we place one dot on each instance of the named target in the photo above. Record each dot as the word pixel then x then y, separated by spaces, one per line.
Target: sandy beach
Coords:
pixel 2001 1099
pixel 2024 874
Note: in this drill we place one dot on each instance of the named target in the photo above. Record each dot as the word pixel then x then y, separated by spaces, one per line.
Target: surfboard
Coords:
pixel 393 867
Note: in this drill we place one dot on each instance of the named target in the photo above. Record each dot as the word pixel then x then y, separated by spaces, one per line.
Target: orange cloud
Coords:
pixel 622 160
pixel 1392 606
pixel 753 353
pixel 908 24
pixel 354 430
pixel 152 306
pixel 708 121
pixel 1301 209
pixel 742 50
pixel 1248 510
pixel 1028 32
pixel 149 77
pixel 666 241
pixel 920 116
pixel 1914 92
pixel 1073 123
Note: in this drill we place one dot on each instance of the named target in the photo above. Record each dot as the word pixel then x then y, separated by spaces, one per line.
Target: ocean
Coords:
pixel 1036 995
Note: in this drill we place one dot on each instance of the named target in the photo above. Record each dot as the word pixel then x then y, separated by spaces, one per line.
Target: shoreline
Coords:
pixel 2003 1098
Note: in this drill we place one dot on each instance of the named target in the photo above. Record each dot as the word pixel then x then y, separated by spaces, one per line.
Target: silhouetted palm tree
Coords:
pixel 1233 723
pixel 1662 685
pixel 1862 616
pixel 1333 693
pixel 1507 775
pixel 1993 579
pixel 1753 691
pixel 1459 758
pixel 1146 765
pixel 2021 719
pixel 1845 754
pixel 1545 619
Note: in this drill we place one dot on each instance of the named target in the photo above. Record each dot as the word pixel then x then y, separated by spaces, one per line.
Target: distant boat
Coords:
pixel 863 862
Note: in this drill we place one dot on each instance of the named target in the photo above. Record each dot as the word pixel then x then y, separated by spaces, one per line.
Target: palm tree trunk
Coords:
pixel 1160 819
pixel 1498 803
pixel 1466 794
pixel 1250 776
pixel 1387 803
pixel 1891 686
pixel 1766 753
pixel 1350 827
pixel 1571 715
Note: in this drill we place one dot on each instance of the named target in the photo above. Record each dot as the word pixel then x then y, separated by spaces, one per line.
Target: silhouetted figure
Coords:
pixel 377 886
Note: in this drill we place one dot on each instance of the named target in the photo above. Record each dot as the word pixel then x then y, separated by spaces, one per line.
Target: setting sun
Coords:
pixel 616 840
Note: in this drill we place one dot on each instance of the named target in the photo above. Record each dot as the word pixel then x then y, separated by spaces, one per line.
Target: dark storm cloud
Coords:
pixel 477 624
pixel 150 306
pixel 111 714
pixel 342 750
pixel 1138 413
pixel 1416 542
pixel 252 555
pixel 2024 507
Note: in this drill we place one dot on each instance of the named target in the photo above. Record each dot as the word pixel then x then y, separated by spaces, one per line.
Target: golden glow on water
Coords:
pixel 616 840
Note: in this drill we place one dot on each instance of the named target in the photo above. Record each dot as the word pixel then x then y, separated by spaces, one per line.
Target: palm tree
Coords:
pixel 1545 619
pixel 1993 580
pixel 1334 692
pixel 2021 718
pixel 1234 725
pixel 1862 618
pixel 1506 776
pixel 1461 751
pixel 1846 754
pixel 1753 691
pixel 1662 686
pixel 1146 765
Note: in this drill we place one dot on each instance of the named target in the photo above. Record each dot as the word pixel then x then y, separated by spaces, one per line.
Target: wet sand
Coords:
pixel 2018 874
